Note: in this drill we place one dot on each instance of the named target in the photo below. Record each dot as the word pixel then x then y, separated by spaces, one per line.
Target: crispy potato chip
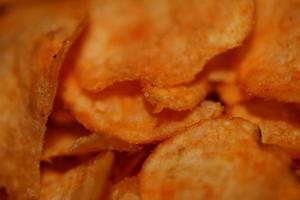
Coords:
pixel 161 42
pixel 84 182
pixel 75 141
pixel 217 159
pixel 127 189
pixel 33 41
pixel 270 64
pixel 279 122
pixel 177 98
pixel 122 112
pixel 230 93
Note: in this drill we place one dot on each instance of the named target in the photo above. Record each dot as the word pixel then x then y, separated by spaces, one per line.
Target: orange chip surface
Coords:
pixel 217 159
pixel 279 122
pixel 221 72
pixel 77 141
pixel 34 38
pixel 127 189
pixel 87 181
pixel 230 93
pixel 270 64
pixel 61 116
pixel 179 98
pixel 122 112
pixel 161 42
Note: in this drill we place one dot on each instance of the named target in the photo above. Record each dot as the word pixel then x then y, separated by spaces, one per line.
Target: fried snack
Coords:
pixel 161 42
pixel 279 122
pixel 75 141
pixel 121 111
pixel 217 159
pixel 87 181
pixel 177 98
pixel 127 189
pixel 221 72
pixel 270 65
pixel 34 39
pixel 230 93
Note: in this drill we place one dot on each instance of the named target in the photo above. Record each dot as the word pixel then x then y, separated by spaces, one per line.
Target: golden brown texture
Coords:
pixel 217 159
pixel 87 181
pixel 279 122
pixel 33 41
pixel 127 189
pixel 161 42
pixel 177 98
pixel 269 67
pixel 76 141
pixel 122 112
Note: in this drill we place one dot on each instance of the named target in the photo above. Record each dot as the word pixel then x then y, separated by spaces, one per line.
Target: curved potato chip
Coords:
pixel 85 182
pixel 67 141
pixel 122 112
pixel 270 65
pixel 127 189
pixel 161 42
pixel 34 38
pixel 217 159
pixel 58 141
pixel 178 98
pixel 279 122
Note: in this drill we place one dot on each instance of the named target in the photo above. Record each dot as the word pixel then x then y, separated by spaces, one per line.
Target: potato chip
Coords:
pixel 222 73
pixel 279 122
pixel 77 141
pixel 127 189
pixel 177 98
pixel 58 141
pixel 49 176
pixel 161 42
pixel 85 182
pixel 61 116
pixel 217 159
pixel 122 112
pixel 230 93
pixel 221 69
pixel 270 65
pixel 33 41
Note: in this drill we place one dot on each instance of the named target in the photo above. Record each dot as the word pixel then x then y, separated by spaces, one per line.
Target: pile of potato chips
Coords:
pixel 150 99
